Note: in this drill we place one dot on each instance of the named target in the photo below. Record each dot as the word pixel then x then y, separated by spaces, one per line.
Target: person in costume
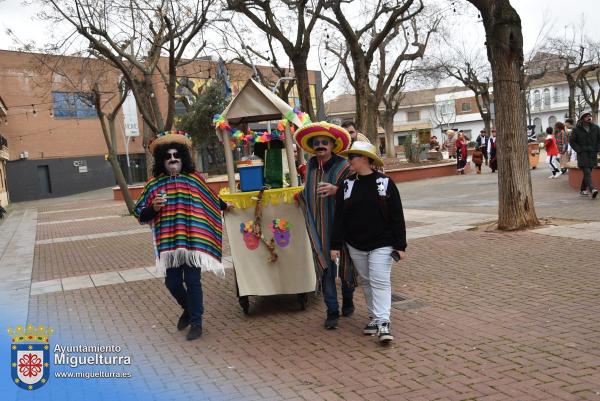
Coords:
pixel 354 134
pixel 325 171
pixel 185 216
pixel 461 153
pixel 492 152
pixel 369 221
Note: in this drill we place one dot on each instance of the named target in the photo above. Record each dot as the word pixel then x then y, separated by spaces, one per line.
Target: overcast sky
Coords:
pixel 534 13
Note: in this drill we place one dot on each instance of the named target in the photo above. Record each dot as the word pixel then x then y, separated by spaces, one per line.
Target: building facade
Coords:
pixel 433 111
pixel 4 156
pixel 57 146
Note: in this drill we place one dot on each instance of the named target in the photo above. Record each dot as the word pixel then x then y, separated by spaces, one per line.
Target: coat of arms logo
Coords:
pixel 30 355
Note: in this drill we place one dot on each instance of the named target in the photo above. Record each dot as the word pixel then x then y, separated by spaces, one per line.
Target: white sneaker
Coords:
pixel 384 333
pixel 552 176
pixel 558 174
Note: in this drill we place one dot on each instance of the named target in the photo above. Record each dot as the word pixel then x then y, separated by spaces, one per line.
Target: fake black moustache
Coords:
pixel 320 149
pixel 173 161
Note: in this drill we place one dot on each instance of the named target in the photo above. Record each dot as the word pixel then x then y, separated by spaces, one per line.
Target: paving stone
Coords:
pixel 76 283
pixel 140 273
pixel 106 278
pixel 43 287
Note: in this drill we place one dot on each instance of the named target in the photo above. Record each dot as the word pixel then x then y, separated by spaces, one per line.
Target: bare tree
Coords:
pixel 589 83
pixel 145 40
pixel 475 75
pixel 392 102
pixel 444 115
pixel 504 42
pixel 362 52
pixel 246 53
pixel 576 57
pixel 95 84
pixel 263 14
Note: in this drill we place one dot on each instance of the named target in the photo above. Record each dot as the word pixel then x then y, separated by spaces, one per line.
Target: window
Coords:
pixel 445 108
pixel 557 95
pixel 413 116
pixel 537 100
pixel 73 105
pixel 294 98
pixel 551 121
pixel 465 107
pixel 546 97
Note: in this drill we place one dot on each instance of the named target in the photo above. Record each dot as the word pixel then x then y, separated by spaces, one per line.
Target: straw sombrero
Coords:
pixel 304 135
pixel 364 149
pixel 171 137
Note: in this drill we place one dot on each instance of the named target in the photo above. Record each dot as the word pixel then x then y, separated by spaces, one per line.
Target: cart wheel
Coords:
pixel 303 300
pixel 533 168
pixel 245 304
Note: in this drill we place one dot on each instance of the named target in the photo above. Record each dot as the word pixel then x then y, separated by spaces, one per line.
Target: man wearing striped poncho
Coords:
pixel 325 171
pixel 185 216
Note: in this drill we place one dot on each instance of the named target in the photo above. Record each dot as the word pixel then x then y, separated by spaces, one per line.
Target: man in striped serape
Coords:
pixel 185 216
pixel 325 171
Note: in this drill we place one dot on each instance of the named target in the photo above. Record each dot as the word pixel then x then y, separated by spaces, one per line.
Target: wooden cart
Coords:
pixel 256 273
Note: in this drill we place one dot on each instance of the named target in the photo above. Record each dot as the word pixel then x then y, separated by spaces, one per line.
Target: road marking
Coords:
pixel 92 236
pixel 112 216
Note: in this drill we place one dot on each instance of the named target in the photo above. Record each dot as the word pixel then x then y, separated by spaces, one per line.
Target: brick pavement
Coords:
pixel 510 324
pixel 489 316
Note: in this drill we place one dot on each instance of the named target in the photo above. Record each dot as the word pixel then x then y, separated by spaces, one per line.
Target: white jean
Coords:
pixel 374 268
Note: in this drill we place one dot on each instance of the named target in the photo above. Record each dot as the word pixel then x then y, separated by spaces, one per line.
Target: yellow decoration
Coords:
pixel 245 200
pixel 14 365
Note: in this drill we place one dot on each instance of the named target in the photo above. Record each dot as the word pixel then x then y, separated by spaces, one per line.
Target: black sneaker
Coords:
pixel 371 328
pixel 347 308
pixel 184 320
pixel 194 333
pixel 332 321
pixel 594 193
pixel 384 333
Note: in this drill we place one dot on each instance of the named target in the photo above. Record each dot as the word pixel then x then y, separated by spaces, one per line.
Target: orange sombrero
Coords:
pixel 171 137
pixel 304 135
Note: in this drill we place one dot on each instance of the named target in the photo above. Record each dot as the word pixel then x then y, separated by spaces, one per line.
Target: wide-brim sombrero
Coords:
pixel 340 136
pixel 364 149
pixel 171 137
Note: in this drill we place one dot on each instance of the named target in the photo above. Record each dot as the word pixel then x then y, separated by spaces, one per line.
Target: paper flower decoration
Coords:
pixel 281 232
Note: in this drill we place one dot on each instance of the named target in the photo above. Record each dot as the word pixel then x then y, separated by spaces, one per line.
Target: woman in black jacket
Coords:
pixel 369 220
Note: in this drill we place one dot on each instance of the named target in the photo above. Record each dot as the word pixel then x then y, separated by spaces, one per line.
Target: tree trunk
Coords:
pixel 111 144
pixel 390 149
pixel 303 87
pixel 361 91
pixel 572 107
pixel 505 53
pixel 595 112
pixel 373 122
pixel 487 122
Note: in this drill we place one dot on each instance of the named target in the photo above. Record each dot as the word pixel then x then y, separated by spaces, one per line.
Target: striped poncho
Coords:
pixel 188 229
pixel 319 214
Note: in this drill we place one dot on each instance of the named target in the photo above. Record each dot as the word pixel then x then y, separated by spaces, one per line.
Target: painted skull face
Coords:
pixel 173 162
pixel 282 238
pixel 251 241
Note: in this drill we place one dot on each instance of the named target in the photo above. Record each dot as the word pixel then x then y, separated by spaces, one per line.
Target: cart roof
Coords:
pixel 255 103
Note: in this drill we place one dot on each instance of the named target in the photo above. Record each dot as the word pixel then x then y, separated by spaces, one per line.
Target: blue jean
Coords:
pixel 374 269
pixel 330 290
pixel 189 297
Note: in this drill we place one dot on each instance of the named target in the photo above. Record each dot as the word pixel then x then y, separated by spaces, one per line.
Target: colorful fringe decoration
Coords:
pixel 240 138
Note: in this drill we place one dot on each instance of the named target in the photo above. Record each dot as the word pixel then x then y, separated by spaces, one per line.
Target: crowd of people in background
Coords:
pixel 566 145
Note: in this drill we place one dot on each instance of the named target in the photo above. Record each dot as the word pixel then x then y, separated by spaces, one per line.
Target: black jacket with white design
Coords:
pixel 368 214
